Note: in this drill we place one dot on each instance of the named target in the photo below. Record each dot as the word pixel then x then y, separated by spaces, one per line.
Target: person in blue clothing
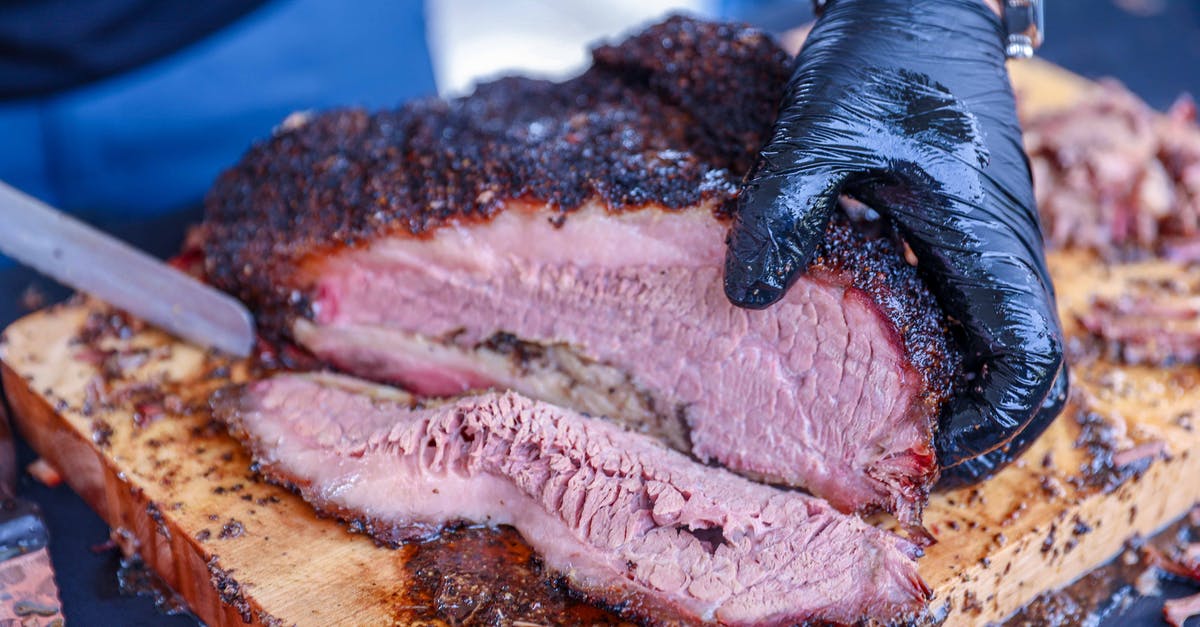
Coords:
pixel 134 106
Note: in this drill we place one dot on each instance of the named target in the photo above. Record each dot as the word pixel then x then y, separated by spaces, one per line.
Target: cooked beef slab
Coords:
pixel 627 521
pixel 565 240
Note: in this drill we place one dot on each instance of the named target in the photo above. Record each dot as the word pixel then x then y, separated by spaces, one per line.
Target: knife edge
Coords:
pixel 93 262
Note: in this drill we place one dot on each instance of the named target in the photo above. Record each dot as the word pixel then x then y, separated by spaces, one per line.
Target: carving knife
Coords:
pixel 28 593
pixel 90 261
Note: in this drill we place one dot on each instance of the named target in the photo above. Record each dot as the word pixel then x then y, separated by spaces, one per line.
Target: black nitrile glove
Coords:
pixel 906 106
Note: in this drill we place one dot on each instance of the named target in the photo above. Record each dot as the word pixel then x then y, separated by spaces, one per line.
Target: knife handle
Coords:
pixel 28 594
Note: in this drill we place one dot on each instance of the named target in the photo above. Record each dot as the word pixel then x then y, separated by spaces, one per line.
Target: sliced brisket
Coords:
pixel 566 241
pixel 626 521
pixel 1114 175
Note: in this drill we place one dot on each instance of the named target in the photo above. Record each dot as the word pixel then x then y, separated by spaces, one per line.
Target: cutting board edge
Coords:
pixel 137 523
pixel 1089 551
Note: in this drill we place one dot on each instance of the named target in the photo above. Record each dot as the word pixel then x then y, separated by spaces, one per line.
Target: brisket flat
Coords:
pixel 628 522
pixel 565 240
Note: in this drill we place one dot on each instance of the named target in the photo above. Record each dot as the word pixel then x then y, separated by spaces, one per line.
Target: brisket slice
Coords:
pixel 565 240
pixel 1116 176
pixel 626 521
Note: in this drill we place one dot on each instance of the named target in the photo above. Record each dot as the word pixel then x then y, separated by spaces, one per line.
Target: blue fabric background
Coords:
pixel 152 140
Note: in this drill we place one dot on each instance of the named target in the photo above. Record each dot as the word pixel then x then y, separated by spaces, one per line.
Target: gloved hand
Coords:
pixel 906 106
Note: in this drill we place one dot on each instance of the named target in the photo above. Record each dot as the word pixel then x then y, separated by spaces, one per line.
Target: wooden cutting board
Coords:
pixel 178 490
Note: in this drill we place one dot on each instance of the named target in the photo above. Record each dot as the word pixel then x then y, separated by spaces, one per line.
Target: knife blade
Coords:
pixel 90 261
pixel 28 593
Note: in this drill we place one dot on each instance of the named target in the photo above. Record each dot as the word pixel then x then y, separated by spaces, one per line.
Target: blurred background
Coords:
pixel 123 112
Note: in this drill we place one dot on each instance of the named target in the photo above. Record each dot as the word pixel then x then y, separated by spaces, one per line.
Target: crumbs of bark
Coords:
pixel 160 523
pixel 210 428
pixel 231 529
pixel 970 603
pixel 268 620
pixel 1048 543
pixel 1051 487
pixel 102 433
pixel 229 589
pixel 109 323
pixel 1098 437
pixel 115 384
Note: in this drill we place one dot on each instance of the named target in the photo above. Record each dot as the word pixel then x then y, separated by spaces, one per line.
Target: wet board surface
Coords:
pixel 122 413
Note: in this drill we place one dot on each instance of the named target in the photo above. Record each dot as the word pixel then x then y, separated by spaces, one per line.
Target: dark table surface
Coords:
pixel 1153 46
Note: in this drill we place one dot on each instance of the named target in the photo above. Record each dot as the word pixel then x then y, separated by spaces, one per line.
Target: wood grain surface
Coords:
pixel 133 435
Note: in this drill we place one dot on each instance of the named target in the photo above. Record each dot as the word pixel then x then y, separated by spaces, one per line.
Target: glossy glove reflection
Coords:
pixel 906 105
